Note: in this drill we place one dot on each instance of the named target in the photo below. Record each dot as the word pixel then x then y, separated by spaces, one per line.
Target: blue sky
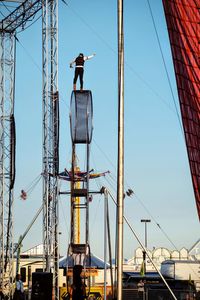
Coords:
pixel 156 164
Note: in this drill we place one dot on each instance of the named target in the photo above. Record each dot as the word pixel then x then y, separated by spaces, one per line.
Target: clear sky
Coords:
pixel 156 164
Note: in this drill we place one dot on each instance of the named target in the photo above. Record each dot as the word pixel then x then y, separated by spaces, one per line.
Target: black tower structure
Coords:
pixel 81 115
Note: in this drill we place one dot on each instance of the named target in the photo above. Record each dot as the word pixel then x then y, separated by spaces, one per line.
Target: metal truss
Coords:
pixel 50 139
pixel 20 16
pixel 7 153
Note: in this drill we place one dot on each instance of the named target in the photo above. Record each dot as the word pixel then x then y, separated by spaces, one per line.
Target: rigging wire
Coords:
pixel 99 184
pixel 33 184
pixel 113 178
pixel 31 188
pixel 11 6
pixel 6 7
pixel 61 98
pixel 28 54
pixel 93 222
pixel 30 24
pixel 104 153
pixel 90 27
pixel 165 66
pixel 2 14
pixel 114 188
pixel 157 224
pixel 98 180
pixel 65 221
pixel 2 4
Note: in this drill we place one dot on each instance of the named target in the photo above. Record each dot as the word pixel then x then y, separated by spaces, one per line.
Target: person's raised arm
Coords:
pixel 89 57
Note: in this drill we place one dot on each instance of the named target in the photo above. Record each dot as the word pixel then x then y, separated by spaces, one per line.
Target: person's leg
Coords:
pixel 75 77
pixel 81 78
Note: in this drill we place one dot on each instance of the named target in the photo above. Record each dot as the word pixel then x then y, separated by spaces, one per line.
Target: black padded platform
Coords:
pixel 81 117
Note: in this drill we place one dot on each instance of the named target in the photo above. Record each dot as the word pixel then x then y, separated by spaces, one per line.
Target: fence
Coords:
pixel 158 294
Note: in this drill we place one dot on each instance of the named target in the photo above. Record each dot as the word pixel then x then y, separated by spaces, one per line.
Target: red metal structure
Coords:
pixel 183 22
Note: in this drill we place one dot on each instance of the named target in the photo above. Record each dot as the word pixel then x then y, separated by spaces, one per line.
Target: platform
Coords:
pixel 81 115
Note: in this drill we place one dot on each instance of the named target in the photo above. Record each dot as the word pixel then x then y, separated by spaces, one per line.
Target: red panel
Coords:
pixel 183 22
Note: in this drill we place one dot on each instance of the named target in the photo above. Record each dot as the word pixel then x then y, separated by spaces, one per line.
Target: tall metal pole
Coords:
pixel 105 241
pixel 120 181
pixel 145 221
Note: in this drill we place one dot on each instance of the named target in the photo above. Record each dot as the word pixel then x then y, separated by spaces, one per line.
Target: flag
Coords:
pixel 142 269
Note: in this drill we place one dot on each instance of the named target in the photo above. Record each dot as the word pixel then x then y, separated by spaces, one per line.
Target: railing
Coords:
pixel 157 294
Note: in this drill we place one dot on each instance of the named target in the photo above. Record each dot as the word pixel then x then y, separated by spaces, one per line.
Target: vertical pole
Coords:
pixel 105 240
pixel 145 221
pixel 73 186
pixel 87 199
pixel 120 181
pixel 75 203
pixel 145 243
pixel 2 179
pixel 109 247
pixel 145 233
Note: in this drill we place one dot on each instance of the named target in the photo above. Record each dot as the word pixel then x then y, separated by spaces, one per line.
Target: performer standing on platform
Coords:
pixel 79 70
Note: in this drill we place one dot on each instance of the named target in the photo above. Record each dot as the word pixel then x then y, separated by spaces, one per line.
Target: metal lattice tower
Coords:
pixel 20 17
pixel 50 138
pixel 7 69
